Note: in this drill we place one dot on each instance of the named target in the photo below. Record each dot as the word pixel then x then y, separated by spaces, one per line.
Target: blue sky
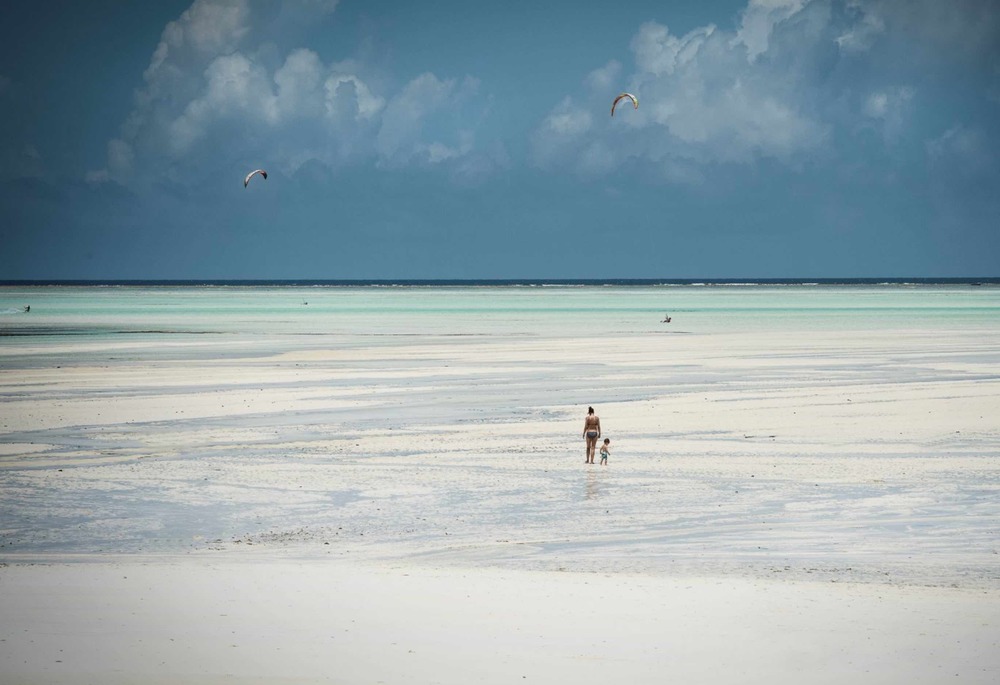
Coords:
pixel 774 138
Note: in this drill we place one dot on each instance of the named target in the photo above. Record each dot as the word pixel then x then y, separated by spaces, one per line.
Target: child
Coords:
pixel 605 450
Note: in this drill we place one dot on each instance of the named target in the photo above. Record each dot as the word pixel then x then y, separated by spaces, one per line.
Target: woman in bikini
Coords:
pixel 591 431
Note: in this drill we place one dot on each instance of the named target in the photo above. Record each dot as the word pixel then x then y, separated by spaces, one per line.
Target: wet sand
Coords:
pixel 817 506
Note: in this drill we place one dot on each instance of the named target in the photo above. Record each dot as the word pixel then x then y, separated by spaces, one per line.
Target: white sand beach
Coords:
pixel 260 621
pixel 815 506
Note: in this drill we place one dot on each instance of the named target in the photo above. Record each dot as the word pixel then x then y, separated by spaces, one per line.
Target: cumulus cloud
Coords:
pixel 206 28
pixel 399 138
pixel 235 86
pixel 300 90
pixel 861 34
pixel 187 46
pixel 605 77
pixel 658 52
pixel 560 133
pixel 706 96
pixel 759 19
pixel 362 103
pixel 776 85
pixel 569 120
pixel 216 81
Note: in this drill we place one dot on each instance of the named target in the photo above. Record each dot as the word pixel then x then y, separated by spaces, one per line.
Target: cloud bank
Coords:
pixel 788 83
pixel 213 83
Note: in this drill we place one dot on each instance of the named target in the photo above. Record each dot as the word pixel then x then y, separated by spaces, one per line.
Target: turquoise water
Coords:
pixel 193 418
pixel 103 311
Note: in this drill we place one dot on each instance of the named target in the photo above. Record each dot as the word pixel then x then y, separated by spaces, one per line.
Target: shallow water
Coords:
pixel 366 311
pixel 842 431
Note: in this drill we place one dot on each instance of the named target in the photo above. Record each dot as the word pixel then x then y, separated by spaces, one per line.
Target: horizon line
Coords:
pixel 865 280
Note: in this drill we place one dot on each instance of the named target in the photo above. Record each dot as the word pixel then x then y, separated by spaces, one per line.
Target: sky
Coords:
pixel 450 139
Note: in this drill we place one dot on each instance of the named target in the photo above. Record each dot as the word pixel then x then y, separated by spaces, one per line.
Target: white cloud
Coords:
pixel 658 52
pixel 172 81
pixel 569 120
pixel 775 86
pixel 235 85
pixel 218 82
pixel 479 164
pixel 765 123
pixel 606 77
pixel 758 22
pixel 701 101
pixel 560 134
pixel 208 27
pixel 361 101
pixel 861 35
pixel 205 30
pixel 401 138
pixel 300 87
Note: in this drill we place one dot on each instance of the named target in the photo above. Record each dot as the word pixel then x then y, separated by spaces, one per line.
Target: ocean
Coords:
pixel 810 429
pixel 361 312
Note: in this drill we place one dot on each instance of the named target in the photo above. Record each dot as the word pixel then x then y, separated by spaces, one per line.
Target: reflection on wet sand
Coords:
pixel 594 485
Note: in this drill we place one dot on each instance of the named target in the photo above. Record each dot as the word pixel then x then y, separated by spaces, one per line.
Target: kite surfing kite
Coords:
pixel 635 102
pixel 250 175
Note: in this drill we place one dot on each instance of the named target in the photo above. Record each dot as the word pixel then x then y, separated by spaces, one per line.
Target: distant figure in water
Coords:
pixel 591 431
pixel 27 308
pixel 666 318
pixel 605 451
